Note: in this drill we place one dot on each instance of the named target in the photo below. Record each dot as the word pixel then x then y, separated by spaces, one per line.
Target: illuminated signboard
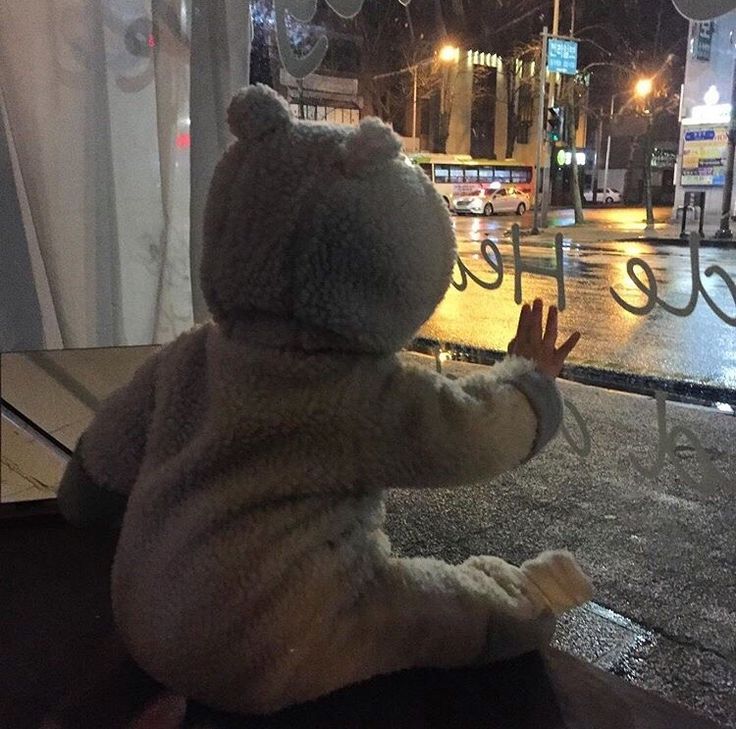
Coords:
pixel 562 56
pixel 704 155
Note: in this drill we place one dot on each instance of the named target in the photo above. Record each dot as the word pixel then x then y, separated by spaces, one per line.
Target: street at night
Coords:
pixel 700 347
pixel 242 490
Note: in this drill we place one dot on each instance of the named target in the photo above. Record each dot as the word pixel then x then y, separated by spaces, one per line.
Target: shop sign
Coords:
pixel 703 40
pixel 564 158
pixel 704 155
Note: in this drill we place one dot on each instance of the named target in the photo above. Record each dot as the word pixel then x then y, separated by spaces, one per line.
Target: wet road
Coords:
pixel 699 347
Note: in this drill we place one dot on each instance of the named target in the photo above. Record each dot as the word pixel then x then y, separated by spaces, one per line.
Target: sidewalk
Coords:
pixel 660 553
pixel 615 223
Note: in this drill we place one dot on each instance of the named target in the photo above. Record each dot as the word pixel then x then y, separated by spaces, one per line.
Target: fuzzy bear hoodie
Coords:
pixel 247 459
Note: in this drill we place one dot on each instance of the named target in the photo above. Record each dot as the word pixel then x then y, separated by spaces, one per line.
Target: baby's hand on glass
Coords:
pixel 531 343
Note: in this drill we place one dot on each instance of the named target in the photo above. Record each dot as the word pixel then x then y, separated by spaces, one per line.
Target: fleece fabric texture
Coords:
pixel 252 454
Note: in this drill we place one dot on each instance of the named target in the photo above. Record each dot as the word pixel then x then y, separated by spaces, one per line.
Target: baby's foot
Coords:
pixel 519 617
pixel 559 578
pixel 522 617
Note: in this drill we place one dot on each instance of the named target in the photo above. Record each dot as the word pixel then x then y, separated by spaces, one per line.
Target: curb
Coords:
pixel 704 242
pixel 661 240
pixel 693 393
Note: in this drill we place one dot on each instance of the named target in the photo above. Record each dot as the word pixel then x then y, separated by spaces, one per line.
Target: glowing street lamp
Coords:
pixel 449 54
pixel 643 87
pixel 446 54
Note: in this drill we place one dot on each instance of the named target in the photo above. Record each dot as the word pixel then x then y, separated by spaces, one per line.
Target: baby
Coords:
pixel 248 459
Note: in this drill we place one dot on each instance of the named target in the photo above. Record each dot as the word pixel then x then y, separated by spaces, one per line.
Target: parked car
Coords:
pixel 491 201
pixel 608 195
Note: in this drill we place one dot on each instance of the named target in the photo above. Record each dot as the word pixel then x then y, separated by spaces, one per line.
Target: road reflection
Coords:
pixel 699 347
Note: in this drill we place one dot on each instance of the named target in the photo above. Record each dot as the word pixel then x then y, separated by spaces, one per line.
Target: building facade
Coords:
pixel 492 108
pixel 705 113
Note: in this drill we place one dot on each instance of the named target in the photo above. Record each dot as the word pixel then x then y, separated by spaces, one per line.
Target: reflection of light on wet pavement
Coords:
pixel 616 217
pixel 475 229
pixel 699 347
pixel 601 636
pixel 619 279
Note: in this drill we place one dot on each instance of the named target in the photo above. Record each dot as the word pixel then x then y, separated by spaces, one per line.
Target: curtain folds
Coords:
pixel 113 119
pixel 222 33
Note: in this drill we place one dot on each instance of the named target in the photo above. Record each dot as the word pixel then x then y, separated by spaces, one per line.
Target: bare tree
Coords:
pixel 573 99
pixel 652 108
pixel 520 88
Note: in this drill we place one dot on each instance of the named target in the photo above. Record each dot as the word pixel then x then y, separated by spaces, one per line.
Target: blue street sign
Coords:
pixel 562 56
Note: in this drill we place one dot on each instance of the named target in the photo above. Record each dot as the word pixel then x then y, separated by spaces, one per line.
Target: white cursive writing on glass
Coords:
pixel 649 287
pixel 303 11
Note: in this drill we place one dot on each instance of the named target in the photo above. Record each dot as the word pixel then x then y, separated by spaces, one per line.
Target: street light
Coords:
pixel 449 54
pixel 608 143
pixel 643 87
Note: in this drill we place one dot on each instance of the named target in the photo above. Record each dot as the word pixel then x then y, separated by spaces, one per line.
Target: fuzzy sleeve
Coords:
pixel 443 432
pixel 95 486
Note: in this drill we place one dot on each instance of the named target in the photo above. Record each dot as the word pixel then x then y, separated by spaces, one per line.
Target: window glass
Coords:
pixel 471 174
pixel 113 117
pixel 442 173
pixel 523 136
pixel 457 174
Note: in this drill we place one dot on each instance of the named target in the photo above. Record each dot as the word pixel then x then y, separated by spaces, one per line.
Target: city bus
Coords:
pixel 455 175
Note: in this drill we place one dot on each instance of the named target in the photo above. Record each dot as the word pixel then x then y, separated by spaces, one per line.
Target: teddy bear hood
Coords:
pixel 319 235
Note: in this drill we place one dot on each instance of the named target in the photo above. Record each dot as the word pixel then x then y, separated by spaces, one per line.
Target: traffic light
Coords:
pixel 554 125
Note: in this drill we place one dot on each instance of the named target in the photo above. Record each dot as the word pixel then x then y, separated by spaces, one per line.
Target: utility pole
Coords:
pixel 546 182
pixel 546 187
pixel 572 20
pixel 538 174
pixel 414 104
pixel 608 145
pixel 598 138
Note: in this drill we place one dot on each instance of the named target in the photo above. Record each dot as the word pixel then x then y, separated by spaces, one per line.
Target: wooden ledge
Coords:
pixel 60 658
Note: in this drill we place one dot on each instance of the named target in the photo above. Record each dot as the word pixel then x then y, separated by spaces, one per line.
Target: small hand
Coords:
pixel 529 341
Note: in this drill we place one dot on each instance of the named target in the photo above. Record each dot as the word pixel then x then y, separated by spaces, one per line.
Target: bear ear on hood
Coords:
pixel 256 111
pixel 372 143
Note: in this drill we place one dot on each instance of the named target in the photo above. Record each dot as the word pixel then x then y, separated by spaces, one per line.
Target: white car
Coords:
pixel 607 196
pixel 490 201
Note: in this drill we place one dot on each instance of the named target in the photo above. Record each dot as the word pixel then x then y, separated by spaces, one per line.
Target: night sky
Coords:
pixel 634 36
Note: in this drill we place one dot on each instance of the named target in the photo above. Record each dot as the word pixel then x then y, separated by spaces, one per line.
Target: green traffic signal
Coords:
pixel 554 123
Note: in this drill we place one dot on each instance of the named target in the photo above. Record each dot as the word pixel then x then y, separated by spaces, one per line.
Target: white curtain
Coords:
pixel 221 44
pixel 96 175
